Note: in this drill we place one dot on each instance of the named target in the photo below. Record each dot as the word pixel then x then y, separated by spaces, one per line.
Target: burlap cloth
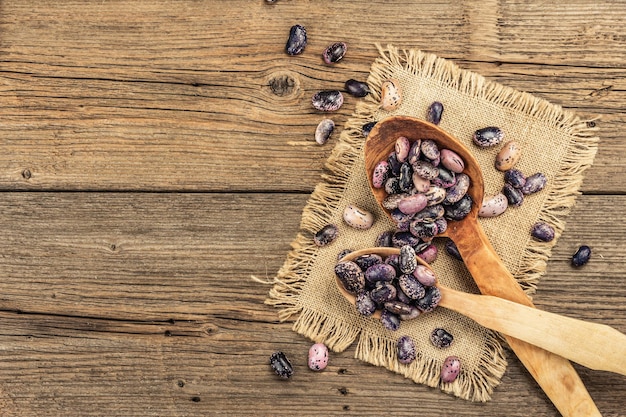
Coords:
pixel 553 141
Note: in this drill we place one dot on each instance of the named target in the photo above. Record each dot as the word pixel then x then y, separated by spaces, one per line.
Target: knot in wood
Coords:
pixel 283 83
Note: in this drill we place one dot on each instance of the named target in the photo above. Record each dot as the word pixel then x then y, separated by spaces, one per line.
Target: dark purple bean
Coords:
pixel 406 177
pixel 384 239
pixel 534 183
pixel 401 239
pixel 296 41
pixel 343 253
pixel 430 213
pixel 445 179
pixel 458 189
pixel 514 196
pixel 429 253
pixel 281 365
pixel 460 209
pixel 365 261
pixel 453 250
pixel 367 128
pixel 581 256
pixel 329 100
pixel 423 230
pixel 430 300
pixel 357 88
pixel 333 53
pixel 394 163
pixel 542 231
pixel 380 272
pixel 442 225
pixel 488 136
pixel 383 292
pixel 515 178
pixel 441 338
pixel 326 235
pixel 435 110
pixel 364 304
pixel 406 350
pixel 390 320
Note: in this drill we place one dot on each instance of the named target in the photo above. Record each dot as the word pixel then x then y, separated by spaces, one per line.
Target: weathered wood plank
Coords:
pixel 203 98
pixel 121 298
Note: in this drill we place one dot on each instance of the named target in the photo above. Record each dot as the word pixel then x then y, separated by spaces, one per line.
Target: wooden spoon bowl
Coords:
pixel 381 142
pixel 556 376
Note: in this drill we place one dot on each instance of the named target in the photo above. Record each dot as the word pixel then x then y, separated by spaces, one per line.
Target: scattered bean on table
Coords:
pixel 281 365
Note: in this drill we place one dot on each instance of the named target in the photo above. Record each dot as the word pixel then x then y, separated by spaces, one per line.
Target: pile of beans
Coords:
pixel 396 285
pixel 425 188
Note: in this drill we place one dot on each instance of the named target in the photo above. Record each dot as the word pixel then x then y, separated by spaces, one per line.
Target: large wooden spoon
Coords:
pixel 555 374
pixel 595 346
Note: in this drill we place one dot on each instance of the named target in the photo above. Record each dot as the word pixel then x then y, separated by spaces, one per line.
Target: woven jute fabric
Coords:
pixel 554 141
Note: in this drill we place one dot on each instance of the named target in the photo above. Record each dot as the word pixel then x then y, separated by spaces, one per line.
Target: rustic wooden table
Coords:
pixel 154 155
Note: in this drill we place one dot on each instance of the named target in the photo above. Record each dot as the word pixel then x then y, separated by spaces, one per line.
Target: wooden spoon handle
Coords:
pixel 555 374
pixel 595 346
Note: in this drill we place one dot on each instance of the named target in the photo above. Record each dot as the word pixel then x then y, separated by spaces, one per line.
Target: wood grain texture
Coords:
pixel 155 155
pixel 148 292
pixel 110 95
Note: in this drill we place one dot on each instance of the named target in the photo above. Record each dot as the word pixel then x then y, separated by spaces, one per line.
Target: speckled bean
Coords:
pixel 391 95
pixel 435 111
pixel 334 52
pixel 329 100
pixel 515 178
pixel 326 235
pixel 406 350
pixel 281 365
pixel 450 369
pixel 488 136
pixel 358 218
pixel 318 357
pixel 460 209
pixel 458 190
pixel 542 231
pixel 297 40
pixel 534 183
pixel 351 276
pixel 430 300
pixel 402 148
pixel 493 205
pixel 508 156
pixel 514 196
pixel 323 131
pixel 411 286
pixel 441 338
pixel 380 174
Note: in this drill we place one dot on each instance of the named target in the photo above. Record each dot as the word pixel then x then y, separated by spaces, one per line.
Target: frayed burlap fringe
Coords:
pixel 339 335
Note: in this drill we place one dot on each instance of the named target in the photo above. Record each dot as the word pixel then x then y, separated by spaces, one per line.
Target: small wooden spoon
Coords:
pixel 556 376
pixel 595 346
